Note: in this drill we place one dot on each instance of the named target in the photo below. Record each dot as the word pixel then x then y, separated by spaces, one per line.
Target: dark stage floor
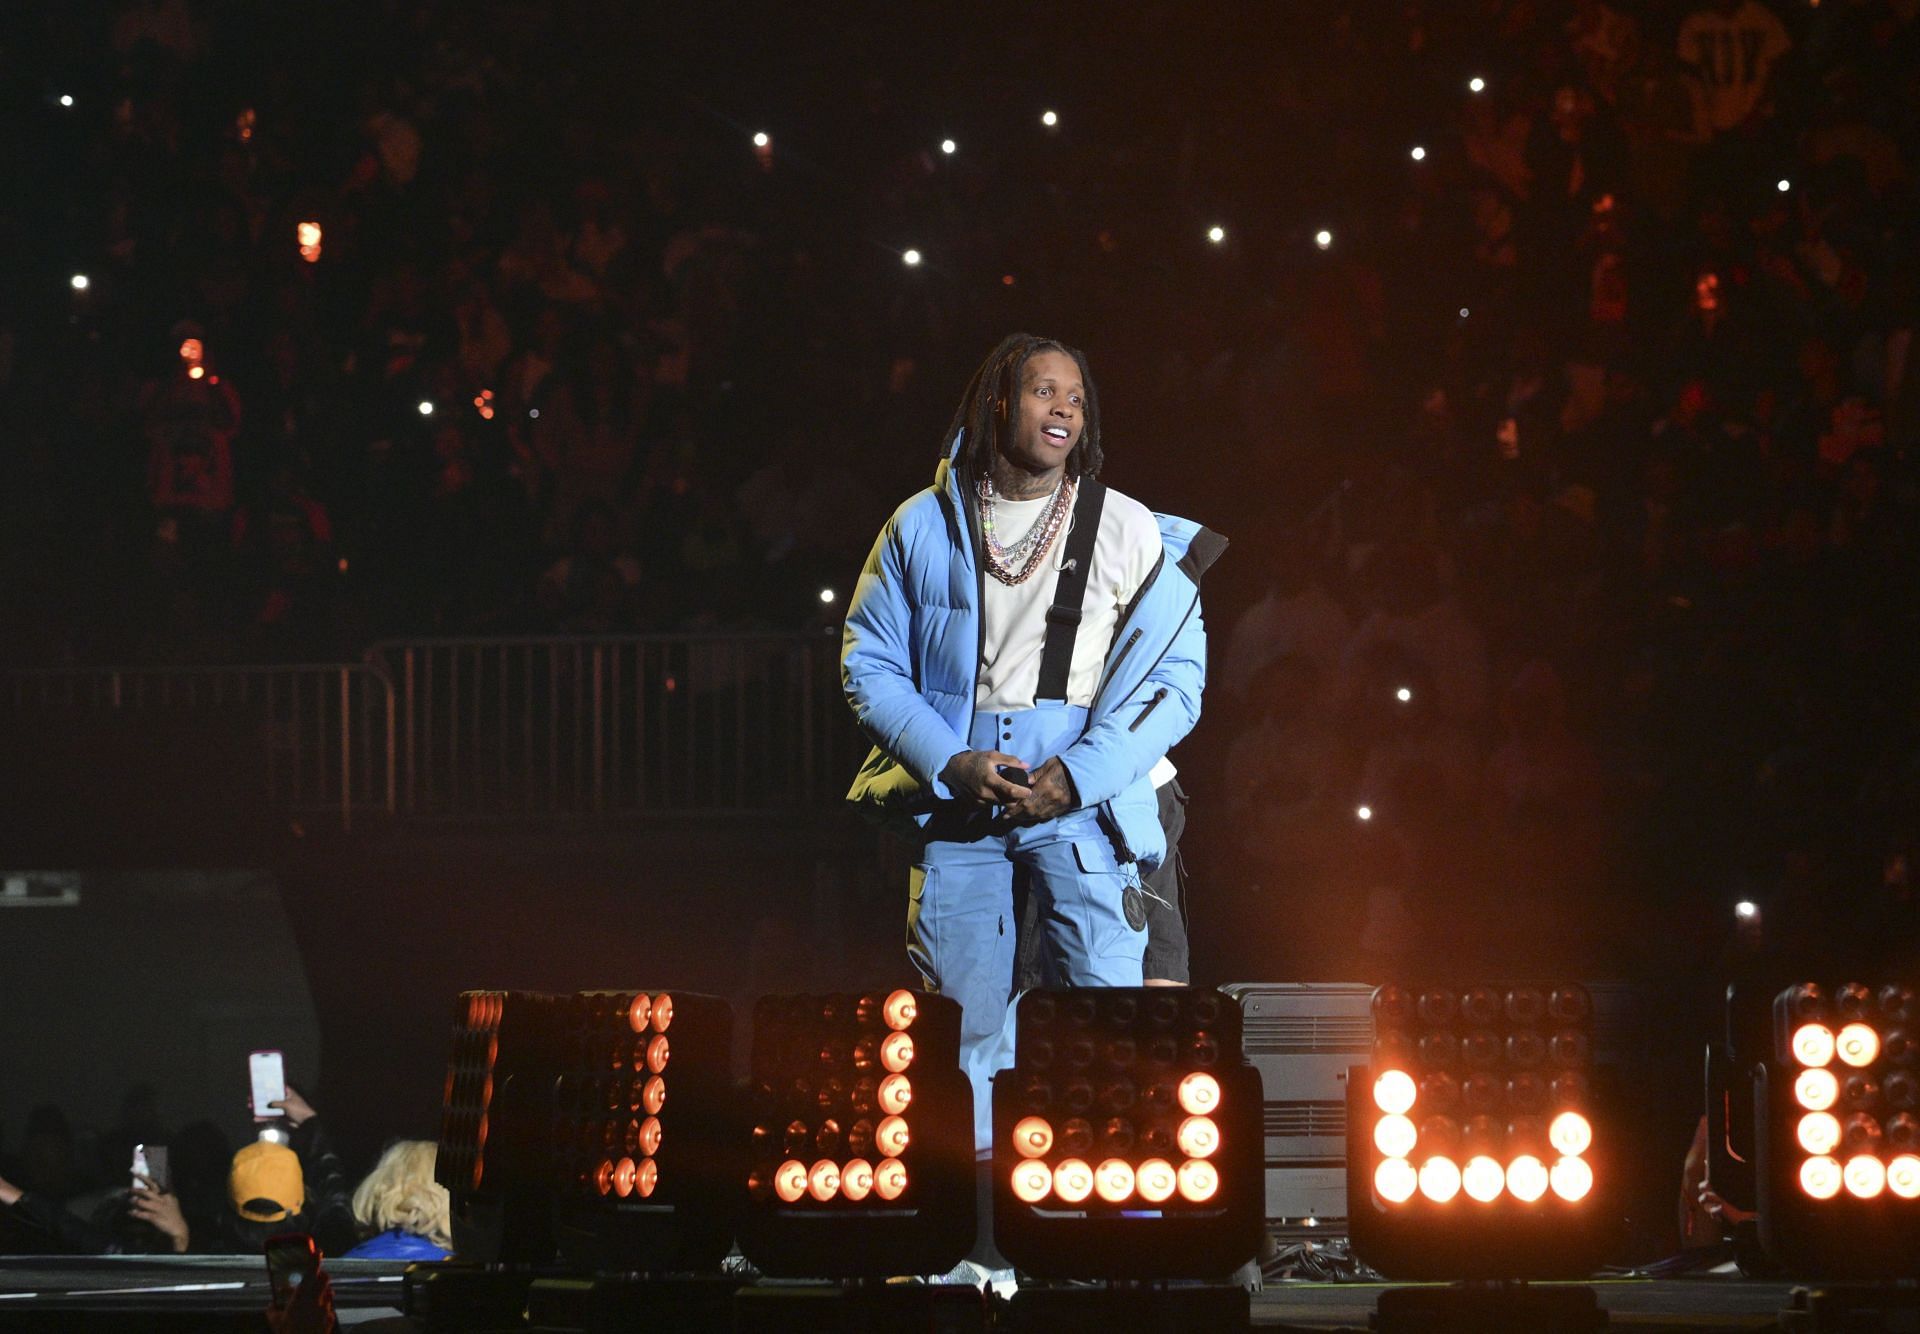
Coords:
pixel 1695 1303
pixel 209 1292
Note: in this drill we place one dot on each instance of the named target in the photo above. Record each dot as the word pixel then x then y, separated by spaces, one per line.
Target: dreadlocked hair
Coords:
pixel 988 407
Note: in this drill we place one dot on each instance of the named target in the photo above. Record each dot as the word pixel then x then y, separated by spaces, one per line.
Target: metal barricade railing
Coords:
pixel 628 725
pixel 328 729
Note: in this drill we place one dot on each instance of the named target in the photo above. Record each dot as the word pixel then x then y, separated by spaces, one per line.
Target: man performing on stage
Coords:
pixel 1019 651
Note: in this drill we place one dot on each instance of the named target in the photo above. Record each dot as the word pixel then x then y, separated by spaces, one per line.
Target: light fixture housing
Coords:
pixel 645 1131
pixel 1151 1080
pixel 864 1093
pixel 1508 1174
pixel 1837 1214
pixel 493 1124
pixel 550 1097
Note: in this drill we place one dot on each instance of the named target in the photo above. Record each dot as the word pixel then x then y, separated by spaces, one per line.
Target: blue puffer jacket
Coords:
pixel 913 641
pixel 396 1245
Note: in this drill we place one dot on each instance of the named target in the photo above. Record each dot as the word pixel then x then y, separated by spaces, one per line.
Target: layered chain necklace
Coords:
pixel 1016 562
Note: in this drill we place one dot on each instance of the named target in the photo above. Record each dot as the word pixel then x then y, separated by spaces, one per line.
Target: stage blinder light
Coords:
pixel 1836 1174
pixel 856 1179
pixel 1395 1136
pixel 1903 1176
pixel 1395 1180
pixel 1813 1045
pixel 1483 1179
pixel 790 1182
pixel 1857 1045
pixel 566 1137
pixel 1527 1178
pixel 1140 1106
pixel 890 1187
pixel 492 1155
pixel 1156 1180
pixel 1073 1180
pixel 1818 1133
pixel 894 1094
pixel 1199 1093
pixel 1439 1179
pixel 1820 1178
pixel 1032 1137
pixel 1198 1181
pixel 1570 1133
pixel 1481 1107
pixel 1197 1137
pixel 1865 1176
pixel 1571 1179
pixel 1032 1181
pixel 901 1008
pixel 1394 1092
pixel 1113 1179
pixel 1816 1090
pixel 680 1155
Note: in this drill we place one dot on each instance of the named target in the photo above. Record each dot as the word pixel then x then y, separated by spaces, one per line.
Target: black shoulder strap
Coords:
pixel 1063 617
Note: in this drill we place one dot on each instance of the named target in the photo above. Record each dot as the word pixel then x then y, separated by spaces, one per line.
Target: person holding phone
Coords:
pixel 146 1220
pixel 298 1186
pixel 1018 615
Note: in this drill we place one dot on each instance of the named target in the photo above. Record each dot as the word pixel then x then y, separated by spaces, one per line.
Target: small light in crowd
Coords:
pixel 1419 154
pixel 243 125
pixel 426 407
pixel 308 235
pixel 1476 84
pixel 193 350
pixel 911 258
pixel 762 139
pixel 80 282
pixel 1463 312
pixel 195 372
pixel 826 595
pixel 1404 695
pixel 1783 185
pixel 1363 812
pixel 533 414
pixel 1323 238
pixel 483 404
pixel 1048 119
pixel 1006 280
pixel 1746 910
pixel 343 565
pixel 1216 234
pixel 66 99
pixel 949 147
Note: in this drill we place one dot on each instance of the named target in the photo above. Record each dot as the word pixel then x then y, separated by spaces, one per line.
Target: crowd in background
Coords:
pixel 1562 420
pixel 139 1188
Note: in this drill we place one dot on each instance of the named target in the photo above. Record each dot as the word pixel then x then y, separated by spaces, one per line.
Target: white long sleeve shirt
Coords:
pixel 1124 555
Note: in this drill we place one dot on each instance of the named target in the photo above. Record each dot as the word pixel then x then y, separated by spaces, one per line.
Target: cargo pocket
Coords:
pixel 1113 910
pixel 923 920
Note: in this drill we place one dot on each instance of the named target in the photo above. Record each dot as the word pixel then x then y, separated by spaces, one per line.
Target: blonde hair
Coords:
pixel 401 1193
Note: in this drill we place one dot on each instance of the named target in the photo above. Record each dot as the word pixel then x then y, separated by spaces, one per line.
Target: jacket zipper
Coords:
pixel 1113 668
pixel 1165 649
pixel 1152 704
pixel 967 521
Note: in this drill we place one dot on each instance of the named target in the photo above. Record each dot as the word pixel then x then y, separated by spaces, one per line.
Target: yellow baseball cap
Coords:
pixel 265 1182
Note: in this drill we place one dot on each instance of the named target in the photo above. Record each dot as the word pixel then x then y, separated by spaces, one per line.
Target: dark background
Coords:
pixel 1580 430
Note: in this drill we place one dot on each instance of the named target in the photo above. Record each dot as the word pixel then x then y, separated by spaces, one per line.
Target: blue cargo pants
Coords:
pixel 960 919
